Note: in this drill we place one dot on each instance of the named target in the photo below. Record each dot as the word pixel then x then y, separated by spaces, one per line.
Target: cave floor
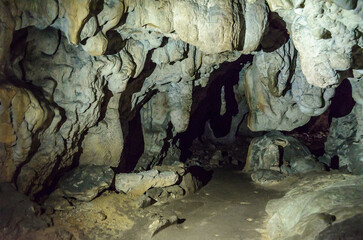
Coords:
pixel 229 207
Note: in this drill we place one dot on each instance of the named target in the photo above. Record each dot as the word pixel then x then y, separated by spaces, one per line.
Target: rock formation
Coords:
pixel 119 85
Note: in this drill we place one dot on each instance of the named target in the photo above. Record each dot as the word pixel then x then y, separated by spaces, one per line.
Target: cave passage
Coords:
pixel 173 120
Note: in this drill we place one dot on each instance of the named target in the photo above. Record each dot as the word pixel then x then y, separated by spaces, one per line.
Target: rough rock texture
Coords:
pixel 313 205
pixel 162 183
pixel 277 93
pixel 214 26
pixel 139 183
pixel 325 35
pixel 348 229
pixel 23 117
pixel 86 182
pixel 277 152
pixel 20 218
pixel 345 136
pixel 79 78
pixel 104 142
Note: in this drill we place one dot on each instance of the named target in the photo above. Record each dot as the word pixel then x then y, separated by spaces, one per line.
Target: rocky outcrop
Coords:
pixel 324 33
pixel 345 136
pixel 139 183
pixel 86 182
pixel 103 143
pixel 214 26
pixel 159 184
pixel 278 95
pixel 314 204
pixel 22 119
pixel 283 154
pixel 75 74
pixel 22 219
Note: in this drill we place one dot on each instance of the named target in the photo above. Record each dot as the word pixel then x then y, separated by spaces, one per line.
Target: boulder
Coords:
pixel 84 183
pixel 350 228
pixel 264 176
pixel 313 204
pixel 190 184
pixel 277 152
pixel 344 141
pixel 19 215
pixel 139 183
pixel 166 193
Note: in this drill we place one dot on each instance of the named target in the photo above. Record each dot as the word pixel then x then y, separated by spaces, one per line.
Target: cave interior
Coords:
pixel 181 119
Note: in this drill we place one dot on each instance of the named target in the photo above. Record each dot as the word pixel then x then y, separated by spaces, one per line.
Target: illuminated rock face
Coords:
pixel 325 35
pixel 78 78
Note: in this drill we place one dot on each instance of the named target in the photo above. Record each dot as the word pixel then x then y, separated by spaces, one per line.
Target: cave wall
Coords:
pixel 74 76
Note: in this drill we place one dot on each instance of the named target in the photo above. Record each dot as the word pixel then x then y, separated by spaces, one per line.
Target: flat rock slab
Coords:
pixel 139 183
pixel 86 182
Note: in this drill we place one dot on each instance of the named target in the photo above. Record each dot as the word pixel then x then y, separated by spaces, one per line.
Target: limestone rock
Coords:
pixel 278 94
pixel 214 26
pixel 177 167
pixel 321 199
pixel 348 229
pixel 86 182
pixel 277 152
pixel 111 14
pixel 342 142
pixel 22 115
pixel 96 45
pixel 72 85
pixel 346 4
pixel 161 222
pixel 57 202
pixel 190 184
pixel 284 4
pixel 19 216
pixel 35 13
pixel 143 201
pixel 75 14
pixel 139 183
pixel 103 143
pixel 165 193
pixel 317 30
pixel 264 176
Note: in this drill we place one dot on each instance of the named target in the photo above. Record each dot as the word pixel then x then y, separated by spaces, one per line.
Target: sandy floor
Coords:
pixel 229 207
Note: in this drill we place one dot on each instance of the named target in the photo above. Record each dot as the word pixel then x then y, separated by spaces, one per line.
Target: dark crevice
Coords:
pixel 206 105
pixel 106 99
pixel 130 118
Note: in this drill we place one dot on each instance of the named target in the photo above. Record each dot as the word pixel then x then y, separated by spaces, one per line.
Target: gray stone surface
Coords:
pixel 313 204
pixel 71 60
pixel 265 176
pixel 165 193
pixel 19 215
pixel 139 183
pixel 350 228
pixel 345 143
pixel 325 47
pixel 86 182
pixel 346 4
pixel 278 95
pixel 277 152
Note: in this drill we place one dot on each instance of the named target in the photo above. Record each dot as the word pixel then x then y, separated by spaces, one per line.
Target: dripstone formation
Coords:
pixel 120 86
